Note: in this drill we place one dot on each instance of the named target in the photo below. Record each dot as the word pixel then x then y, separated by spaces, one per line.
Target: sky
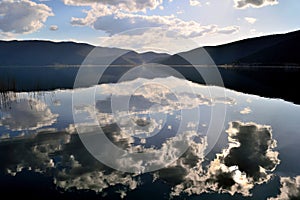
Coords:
pixel 169 26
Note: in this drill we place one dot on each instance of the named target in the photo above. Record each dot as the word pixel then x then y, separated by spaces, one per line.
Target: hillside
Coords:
pixel 45 53
pixel 281 49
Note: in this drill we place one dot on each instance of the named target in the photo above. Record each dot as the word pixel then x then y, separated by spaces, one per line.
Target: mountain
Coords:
pixel 44 53
pixel 280 49
pixel 272 50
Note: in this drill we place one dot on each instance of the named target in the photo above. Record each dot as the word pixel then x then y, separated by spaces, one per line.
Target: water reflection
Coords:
pixel 258 143
pixel 27 114
pixel 290 188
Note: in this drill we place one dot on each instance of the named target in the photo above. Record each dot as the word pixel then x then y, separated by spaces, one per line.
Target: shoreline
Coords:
pixel 271 82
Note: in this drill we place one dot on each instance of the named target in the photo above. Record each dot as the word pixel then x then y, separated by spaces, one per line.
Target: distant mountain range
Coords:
pixel 281 49
pixel 46 53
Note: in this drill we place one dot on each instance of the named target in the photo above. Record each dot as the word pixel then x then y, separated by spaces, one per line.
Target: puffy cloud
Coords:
pixel 53 28
pixel 155 153
pixel 228 30
pixel 153 39
pixel 27 114
pixel 149 92
pixel 137 31
pixel 116 23
pixel 62 156
pixel 290 189
pixel 22 16
pixel 247 161
pixel 150 114
pixel 128 5
pixel 245 111
pixel 113 22
pixel 163 39
pixel 195 3
pixel 32 152
pixel 250 20
pixel 7 36
pixel 5 136
pixel 254 3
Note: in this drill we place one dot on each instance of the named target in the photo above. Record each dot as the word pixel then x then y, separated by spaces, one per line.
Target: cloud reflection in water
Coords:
pixel 248 160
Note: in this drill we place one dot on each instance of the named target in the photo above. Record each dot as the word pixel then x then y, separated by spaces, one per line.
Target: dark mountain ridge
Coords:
pixel 279 49
pixel 267 66
pixel 48 53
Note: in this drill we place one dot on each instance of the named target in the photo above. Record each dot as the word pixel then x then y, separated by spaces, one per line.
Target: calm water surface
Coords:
pixel 254 156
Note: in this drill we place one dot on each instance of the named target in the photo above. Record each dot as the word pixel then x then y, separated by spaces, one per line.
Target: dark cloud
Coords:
pixel 30 152
pixel 252 153
pixel 62 156
pixel 254 3
pixel 248 161
pixel 53 28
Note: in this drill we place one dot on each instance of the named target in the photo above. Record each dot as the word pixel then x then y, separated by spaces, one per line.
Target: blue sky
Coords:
pixel 159 25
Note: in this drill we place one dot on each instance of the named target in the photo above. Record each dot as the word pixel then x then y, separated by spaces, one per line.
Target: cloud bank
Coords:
pixel 22 16
pixel 127 5
pixel 114 22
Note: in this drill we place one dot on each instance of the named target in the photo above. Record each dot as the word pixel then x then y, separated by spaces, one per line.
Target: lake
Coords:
pixel 267 81
pixel 148 138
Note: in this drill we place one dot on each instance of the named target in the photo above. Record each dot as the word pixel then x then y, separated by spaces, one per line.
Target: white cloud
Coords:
pixel 250 144
pixel 195 3
pixel 290 188
pixel 135 29
pixel 22 16
pixel 32 152
pixel 113 22
pixel 7 35
pixel 27 114
pixel 5 136
pixel 240 4
pixel 77 169
pixel 53 28
pixel 250 20
pixel 228 30
pixel 94 179
pixel 189 94
pixel 127 5
pixel 180 12
pixel 151 99
pixel 253 31
pixel 158 39
pixel 245 111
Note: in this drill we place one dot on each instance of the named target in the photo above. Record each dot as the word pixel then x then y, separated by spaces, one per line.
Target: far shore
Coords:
pixel 267 81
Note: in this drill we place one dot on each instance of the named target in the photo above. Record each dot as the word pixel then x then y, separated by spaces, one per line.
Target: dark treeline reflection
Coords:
pixel 268 81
